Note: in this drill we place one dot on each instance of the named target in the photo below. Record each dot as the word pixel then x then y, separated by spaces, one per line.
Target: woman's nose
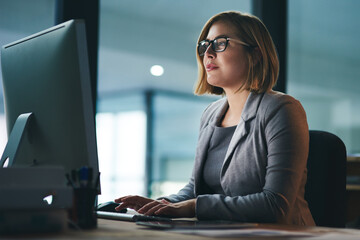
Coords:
pixel 209 51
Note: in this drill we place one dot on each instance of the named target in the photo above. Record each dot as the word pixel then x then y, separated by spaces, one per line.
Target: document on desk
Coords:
pixel 252 232
pixel 223 229
pixel 321 234
pixel 181 224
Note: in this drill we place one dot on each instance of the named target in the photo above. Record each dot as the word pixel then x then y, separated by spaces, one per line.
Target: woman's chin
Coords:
pixel 214 82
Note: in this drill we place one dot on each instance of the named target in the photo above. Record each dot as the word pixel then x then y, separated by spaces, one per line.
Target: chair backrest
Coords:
pixel 325 189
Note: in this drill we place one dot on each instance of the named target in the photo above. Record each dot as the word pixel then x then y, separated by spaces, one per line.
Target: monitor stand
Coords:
pixel 15 140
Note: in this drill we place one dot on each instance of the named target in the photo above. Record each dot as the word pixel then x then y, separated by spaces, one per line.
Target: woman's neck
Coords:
pixel 236 102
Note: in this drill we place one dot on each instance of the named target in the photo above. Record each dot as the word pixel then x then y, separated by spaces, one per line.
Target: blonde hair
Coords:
pixel 263 72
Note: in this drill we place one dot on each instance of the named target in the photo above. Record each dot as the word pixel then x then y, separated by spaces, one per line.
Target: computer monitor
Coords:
pixel 48 105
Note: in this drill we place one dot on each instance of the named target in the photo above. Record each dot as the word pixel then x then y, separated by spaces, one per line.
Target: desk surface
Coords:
pixel 110 229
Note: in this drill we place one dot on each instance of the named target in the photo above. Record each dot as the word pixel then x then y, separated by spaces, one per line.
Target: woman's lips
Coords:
pixel 210 67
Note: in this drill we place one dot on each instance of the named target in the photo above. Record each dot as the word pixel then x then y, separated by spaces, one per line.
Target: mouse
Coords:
pixel 109 207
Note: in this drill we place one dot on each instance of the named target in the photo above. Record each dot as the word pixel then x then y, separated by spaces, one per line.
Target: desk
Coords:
pixel 110 229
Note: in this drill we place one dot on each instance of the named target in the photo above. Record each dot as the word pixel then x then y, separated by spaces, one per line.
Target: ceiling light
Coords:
pixel 157 70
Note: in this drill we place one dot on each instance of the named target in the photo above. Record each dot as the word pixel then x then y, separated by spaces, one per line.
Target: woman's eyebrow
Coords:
pixel 222 35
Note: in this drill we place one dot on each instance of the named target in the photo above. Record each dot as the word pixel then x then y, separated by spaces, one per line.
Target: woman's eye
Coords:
pixel 220 43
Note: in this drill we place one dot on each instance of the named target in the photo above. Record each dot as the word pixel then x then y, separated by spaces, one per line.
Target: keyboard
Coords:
pixel 130 217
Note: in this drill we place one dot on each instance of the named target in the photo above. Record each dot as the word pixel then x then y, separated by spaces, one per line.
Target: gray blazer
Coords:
pixel 264 170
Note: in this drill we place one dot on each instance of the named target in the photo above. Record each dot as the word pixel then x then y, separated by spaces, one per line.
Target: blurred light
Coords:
pixel 157 70
pixel 48 199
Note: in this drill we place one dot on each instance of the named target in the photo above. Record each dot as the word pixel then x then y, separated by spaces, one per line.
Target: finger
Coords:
pixel 129 198
pixel 165 201
pixel 119 200
pixel 153 209
pixel 182 209
pixel 131 201
pixel 166 210
pixel 119 208
pixel 138 199
pixel 130 204
pixel 148 206
pixel 125 205
pixel 135 200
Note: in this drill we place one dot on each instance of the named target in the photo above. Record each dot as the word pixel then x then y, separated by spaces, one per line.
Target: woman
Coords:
pixel 253 144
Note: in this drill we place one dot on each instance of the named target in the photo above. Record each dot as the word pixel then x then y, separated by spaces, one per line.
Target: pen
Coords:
pixel 90 177
pixel 69 180
pixel 84 176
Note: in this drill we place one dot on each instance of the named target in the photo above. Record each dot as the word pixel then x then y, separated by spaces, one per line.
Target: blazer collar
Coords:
pixel 224 105
pixel 249 112
pixel 251 106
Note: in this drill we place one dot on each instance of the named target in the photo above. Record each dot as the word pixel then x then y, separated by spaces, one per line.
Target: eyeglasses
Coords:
pixel 218 44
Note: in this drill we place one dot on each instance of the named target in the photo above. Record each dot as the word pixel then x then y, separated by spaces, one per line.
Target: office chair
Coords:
pixel 325 189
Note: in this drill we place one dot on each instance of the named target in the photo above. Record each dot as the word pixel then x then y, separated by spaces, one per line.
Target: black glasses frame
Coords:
pixel 211 43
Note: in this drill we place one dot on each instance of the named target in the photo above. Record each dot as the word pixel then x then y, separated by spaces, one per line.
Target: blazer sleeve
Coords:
pixel 287 137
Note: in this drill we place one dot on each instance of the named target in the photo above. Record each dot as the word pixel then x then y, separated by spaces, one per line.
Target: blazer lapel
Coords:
pixel 239 133
pixel 204 141
pixel 241 130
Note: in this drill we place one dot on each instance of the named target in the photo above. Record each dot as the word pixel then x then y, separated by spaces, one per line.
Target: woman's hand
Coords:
pixel 148 206
pixel 180 209
pixel 133 202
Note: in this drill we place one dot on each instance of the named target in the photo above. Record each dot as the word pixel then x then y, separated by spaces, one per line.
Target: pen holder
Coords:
pixel 83 211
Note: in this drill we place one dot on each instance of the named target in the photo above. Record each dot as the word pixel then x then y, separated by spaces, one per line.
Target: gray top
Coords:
pixel 219 144
pixel 264 170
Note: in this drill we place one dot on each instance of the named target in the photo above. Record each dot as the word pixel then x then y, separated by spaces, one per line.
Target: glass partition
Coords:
pixel 121 139
pixel 323 61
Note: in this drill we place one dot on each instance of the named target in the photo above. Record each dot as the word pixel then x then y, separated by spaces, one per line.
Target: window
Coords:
pixel 121 140
pixel 323 60
pixel 121 143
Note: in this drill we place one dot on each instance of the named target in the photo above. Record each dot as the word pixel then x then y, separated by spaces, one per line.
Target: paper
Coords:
pixel 246 233
pixel 333 234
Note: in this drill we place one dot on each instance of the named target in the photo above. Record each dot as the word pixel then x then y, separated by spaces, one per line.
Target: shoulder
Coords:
pixel 214 106
pixel 278 98
pixel 273 101
pixel 277 105
pixel 211 110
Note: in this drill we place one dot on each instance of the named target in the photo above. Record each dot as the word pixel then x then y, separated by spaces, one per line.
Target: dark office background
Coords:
pixel 149 124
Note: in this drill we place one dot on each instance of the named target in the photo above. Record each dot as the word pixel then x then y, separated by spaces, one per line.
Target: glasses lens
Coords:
pixel 219 44
pixel 202 47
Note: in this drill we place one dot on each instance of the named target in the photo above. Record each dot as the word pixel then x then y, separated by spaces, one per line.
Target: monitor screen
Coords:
pixel 47 75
